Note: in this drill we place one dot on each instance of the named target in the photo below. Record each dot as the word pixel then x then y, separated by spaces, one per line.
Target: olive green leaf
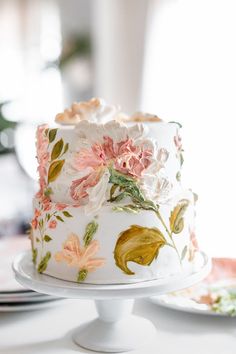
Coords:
pixel 176 216
pixel 47 192
pixel 47 238
pixel 137 244
pixel 178 176
pixel 66 148
pixel 44 262
pixel 54 170
pixel 67 214
pixel 181 158
pixel 184 252
pixel 34 255
pixel 59 218
pixel 130 208
pixel 37 239
pixel 57 149
pixel 52 135
pixel 82 275
pixel 90 231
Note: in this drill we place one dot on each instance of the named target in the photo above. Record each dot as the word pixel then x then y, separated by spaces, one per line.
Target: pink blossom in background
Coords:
pixel 79 187
pixel 60 206
pixel 80 257
pixel 52 224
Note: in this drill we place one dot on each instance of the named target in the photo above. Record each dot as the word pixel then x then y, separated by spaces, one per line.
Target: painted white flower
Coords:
pixel 97 195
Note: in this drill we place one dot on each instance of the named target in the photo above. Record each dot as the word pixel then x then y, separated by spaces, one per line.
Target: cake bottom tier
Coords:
pixel 113 246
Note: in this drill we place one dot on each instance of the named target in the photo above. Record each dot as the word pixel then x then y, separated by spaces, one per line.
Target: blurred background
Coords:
pixel 175 58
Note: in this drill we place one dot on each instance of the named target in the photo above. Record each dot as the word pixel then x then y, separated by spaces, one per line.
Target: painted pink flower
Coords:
pixel 37 213
pixel 34 223
pixel 47 206
pixel 178 142
pixel 42 154
pixel 94 158
pixel 52 224
pixel 60 206
pixel 80 257
pixel 133 164
pixel 79 187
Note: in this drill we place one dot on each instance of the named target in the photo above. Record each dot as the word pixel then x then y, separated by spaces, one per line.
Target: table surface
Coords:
pixel 48 331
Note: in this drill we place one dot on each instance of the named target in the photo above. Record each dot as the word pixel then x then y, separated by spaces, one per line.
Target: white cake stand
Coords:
pixel 115 329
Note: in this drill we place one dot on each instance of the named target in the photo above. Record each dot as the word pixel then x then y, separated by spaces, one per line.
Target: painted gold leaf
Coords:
pixel 138 244
pixel 54 170
pixel 176 216
pixel 57 149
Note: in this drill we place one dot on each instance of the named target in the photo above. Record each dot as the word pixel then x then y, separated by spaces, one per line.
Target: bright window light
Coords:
pixel 190 77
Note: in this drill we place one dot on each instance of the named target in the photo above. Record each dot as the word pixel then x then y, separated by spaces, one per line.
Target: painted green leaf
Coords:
pixel 34 255
pixel 90 231
pixel 54 170
pixel 44 262
pixel 180 125
pixel 67 214
pixel 178 176
pixel 128 186
pixel 57 149
pixel 47 238
pixel 184 252
pixel 52 135
pixel 59 218
pixel 47 192
pixel 181 158
pixel 66 148
pixel 40 223
pixel 138 244
pixel 176 216
pixel 82 275
pixel 37 239
pixel 130 208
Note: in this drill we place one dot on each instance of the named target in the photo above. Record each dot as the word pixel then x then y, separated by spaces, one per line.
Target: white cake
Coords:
pixel 111 208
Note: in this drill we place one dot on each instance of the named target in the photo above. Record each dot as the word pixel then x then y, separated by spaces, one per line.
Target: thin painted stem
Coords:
pixel 169 234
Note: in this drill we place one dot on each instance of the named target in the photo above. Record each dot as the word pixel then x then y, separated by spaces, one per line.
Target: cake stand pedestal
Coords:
pixel 115 329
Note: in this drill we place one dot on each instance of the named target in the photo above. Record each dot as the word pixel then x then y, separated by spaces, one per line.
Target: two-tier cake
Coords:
pixel 111 208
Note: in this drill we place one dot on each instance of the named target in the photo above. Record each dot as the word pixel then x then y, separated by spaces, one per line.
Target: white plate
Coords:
pixel 183 304
pixel 30 307
pixel 15 299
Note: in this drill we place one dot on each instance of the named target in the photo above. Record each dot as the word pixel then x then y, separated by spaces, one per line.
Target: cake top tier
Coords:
pixel 104 156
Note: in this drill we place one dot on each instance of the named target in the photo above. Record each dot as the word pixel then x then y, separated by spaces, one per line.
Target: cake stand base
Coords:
pixel 115 329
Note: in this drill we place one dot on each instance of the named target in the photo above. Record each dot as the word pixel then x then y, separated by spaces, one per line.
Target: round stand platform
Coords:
pixel 115 329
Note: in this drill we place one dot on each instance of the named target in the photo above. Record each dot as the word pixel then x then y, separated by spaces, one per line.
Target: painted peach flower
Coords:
pixel 193 244
pixel 78 256
pixel 52 224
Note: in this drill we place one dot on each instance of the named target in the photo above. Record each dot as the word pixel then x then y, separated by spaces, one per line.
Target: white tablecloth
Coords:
pixel 49 330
